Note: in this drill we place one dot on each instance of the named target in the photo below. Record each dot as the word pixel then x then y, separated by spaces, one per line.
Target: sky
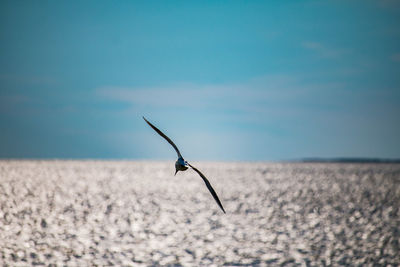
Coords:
pixel 225 80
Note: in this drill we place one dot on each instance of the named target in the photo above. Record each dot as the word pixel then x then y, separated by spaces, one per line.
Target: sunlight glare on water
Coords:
pixel 139 214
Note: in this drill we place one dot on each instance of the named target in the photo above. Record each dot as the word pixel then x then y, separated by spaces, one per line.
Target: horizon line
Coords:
pixel 295 160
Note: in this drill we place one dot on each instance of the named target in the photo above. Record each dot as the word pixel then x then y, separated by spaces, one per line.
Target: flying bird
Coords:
pixel 183 165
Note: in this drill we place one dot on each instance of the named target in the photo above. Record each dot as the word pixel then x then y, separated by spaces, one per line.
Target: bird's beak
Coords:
pixel 176 172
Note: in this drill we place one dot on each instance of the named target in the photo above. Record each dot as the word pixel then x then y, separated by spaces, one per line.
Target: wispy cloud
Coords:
pixel 323 50
pixel 396 57
pixel 271 111
pixel 27 79
pixel 274 95
pixel 179 95
pixel 390 4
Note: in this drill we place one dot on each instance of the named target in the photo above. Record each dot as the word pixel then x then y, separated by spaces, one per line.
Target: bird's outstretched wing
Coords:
pixel 165 137
pixel 209 187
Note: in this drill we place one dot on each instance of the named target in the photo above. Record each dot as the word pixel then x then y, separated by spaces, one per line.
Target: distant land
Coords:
pixel 350 160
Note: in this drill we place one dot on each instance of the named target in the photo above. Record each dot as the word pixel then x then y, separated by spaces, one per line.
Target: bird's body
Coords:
pixel 183 165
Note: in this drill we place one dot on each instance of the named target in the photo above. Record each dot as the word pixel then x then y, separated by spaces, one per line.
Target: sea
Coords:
pixel 137 213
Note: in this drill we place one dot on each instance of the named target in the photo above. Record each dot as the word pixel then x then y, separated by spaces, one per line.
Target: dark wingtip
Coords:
pixel 222 208
pixel 145 119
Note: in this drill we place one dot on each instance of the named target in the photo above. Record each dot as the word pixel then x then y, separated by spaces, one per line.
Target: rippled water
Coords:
pixel 85 213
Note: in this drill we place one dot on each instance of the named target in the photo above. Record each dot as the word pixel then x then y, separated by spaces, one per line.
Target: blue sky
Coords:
pixel 226 80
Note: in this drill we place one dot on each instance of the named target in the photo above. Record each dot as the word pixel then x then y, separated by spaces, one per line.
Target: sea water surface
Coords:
pixel 137 213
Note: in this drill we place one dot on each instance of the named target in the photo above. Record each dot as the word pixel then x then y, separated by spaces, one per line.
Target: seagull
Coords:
pixel 183 165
